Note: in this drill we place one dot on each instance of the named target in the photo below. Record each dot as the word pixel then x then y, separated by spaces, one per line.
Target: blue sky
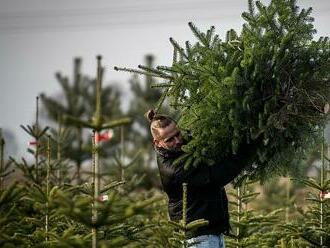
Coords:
pixel 41 37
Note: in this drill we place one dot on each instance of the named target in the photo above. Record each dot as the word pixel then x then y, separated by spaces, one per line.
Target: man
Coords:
pixel 206 198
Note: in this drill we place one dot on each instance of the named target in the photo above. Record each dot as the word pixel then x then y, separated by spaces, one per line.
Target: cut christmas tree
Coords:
pixel 263 91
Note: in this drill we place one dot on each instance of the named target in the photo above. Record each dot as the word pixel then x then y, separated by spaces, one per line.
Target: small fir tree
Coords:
pixel 313 229
pixel 79 102
pixel 250 228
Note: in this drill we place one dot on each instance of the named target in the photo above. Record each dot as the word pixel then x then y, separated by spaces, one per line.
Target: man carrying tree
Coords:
pixel 206 197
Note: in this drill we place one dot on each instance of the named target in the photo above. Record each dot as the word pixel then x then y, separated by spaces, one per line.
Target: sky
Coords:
pixel 41 37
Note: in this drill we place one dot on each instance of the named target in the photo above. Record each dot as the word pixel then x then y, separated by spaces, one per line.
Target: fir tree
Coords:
pixel 313 229
pixel 250 228
pixel 79 102
pixel 36 172
pixel 9 197
pixel 5 166
pixel 265 88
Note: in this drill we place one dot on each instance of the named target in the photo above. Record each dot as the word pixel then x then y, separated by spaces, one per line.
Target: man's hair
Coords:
pixel 157 121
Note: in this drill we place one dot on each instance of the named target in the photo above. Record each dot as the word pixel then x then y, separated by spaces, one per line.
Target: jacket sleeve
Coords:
pixel 220 174
pixel 227 170
pixel 172 176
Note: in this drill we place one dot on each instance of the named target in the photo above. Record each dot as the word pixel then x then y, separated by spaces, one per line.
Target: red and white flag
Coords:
pixel 103 198
pixel 104 136
pixel 325 195
pixel 33 143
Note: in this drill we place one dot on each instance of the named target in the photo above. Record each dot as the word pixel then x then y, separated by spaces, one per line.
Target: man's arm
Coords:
pixel 220 174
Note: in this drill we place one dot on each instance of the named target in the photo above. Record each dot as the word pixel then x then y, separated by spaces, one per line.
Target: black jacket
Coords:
pixel 206 195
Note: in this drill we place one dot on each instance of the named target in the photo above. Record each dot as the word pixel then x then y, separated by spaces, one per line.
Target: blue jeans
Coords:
pixel 207 241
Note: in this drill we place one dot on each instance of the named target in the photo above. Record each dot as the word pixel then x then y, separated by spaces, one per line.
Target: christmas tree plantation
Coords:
pixel 264 89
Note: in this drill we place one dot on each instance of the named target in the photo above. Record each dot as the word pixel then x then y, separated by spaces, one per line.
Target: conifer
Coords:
pixel 250 228
pixel 9 197
pixel 314 226
pixel 79 102
pixel 264 88
pixel 36 172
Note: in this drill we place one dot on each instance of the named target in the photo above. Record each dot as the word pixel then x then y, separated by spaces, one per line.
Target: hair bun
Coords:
pixel 150 115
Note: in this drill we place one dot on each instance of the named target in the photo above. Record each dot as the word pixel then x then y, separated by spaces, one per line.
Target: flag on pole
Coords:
pixel 103 198
pixel 325 195
pixel 104 136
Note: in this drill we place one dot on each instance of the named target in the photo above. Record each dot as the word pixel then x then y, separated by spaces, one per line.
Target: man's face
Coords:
pixel 169 138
